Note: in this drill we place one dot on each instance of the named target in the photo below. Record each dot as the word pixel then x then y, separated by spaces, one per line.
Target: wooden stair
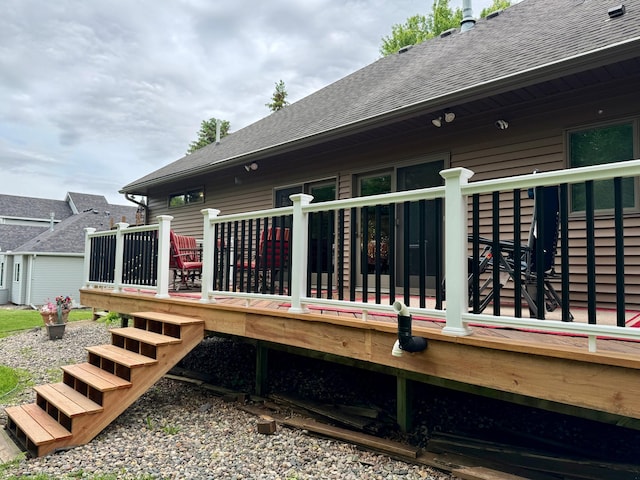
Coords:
pixel 93 394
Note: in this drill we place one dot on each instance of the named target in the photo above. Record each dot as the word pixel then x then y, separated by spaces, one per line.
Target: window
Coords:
pixel 189 197
pixel 322 191
pixel 597 146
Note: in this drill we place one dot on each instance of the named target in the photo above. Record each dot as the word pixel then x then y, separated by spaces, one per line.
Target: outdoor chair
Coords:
pixel 185 260
pixel 534 266
pixel 272 258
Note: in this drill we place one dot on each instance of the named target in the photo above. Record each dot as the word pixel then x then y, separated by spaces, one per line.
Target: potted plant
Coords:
pixel 55 315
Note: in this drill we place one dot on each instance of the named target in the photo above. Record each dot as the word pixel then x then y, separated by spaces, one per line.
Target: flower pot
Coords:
pixel 56 331
pixel 51 318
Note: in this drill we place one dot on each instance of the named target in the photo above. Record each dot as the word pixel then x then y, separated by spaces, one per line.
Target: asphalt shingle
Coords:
pixel 527 36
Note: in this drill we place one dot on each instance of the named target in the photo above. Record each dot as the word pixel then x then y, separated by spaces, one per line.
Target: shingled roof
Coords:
pixel 29 207
pixel 532 40
pixel 68 236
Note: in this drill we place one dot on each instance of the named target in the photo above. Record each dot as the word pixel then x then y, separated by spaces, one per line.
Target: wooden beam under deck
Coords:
pixel 547 367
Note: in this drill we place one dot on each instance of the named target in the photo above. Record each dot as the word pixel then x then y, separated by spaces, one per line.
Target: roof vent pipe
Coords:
pixel 51 221
pixel 468 21
pixel 218 130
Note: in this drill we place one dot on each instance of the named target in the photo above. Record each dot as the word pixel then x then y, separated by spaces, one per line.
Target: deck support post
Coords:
pixel 455 238
pixel 299 250
pixel 262 368
pixel 164 227
pixel 404 402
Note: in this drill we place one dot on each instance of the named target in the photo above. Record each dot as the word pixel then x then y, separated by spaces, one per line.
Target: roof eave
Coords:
pixel 587 60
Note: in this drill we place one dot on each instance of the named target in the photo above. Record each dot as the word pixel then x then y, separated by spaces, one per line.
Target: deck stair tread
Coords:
pixel 69 401
pixel 96 377
pixel 92 393
pixel 121 356
pixel 151 338
pixel 37 424
pixel 168 318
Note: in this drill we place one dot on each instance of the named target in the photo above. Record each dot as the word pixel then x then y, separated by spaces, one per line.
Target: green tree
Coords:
pixel 207 133
pixel 496 5
pixel 279 98
pixel 419 28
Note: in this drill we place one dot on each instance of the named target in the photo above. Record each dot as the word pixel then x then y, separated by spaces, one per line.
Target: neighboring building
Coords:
pixel 42 243
pixel 544 84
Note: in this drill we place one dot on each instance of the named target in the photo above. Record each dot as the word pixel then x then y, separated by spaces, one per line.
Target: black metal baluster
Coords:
pixel 422 252
pixel 439 252
pixel 517 252
pixel 329 249
pixel 406 248
pixel 340 244
pixel 475 264
pixel 591 253
pixel 391 253
pixel 365 253
pixel 564 251
pixel 353 256
pixel 619 232
pixel 495 202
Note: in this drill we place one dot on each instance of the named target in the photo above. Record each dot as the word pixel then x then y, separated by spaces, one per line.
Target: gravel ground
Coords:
pixel 181 431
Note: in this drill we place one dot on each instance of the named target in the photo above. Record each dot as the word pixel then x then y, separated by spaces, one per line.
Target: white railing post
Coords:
pixel 117 273
pixel 164 244
pixel 299 261
pixel 87 255
pixel 455 240
pixel 208 246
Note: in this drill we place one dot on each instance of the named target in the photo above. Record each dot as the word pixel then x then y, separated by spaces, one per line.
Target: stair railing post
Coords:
pixel 117 272
pixel 299 247
pixel 164 247
pixel 455 238
pixel 208 247
pixel 86 267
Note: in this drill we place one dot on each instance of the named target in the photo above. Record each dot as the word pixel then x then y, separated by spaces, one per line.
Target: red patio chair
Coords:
pixel 184 259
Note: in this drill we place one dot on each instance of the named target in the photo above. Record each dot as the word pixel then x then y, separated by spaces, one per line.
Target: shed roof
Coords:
pixel 528 42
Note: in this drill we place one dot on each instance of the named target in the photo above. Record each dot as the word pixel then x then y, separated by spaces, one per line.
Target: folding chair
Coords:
pixel 534 274
pixel 272 259
pixel 184 260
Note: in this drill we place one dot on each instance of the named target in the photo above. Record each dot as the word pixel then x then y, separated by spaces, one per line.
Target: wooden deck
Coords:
pixel 550 371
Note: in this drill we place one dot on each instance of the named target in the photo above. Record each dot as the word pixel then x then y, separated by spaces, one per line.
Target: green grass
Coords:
pixel 13 321
pixel 8 380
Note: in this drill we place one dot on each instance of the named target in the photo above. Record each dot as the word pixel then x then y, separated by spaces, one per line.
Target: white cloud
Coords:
pixel 97 94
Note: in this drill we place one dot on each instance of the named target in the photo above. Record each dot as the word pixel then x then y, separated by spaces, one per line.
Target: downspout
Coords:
pixel 143 205
pixel 468 21
pixel 406 342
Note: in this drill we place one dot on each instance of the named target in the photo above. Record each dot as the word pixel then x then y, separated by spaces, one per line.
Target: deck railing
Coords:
pixel 133 257
pixel 344 254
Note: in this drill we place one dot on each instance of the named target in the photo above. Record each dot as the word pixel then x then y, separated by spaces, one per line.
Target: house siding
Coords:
pixel 535 139
pixel 52 276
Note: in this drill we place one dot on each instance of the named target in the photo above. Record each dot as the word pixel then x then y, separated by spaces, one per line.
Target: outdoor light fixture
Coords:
pixel 447 117
pixel 502 124
pixel 252 167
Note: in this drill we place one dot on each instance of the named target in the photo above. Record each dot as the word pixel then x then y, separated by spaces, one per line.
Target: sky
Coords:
pixel 96 94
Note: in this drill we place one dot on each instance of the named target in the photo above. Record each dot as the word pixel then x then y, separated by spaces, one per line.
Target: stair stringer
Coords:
pixel 142 377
